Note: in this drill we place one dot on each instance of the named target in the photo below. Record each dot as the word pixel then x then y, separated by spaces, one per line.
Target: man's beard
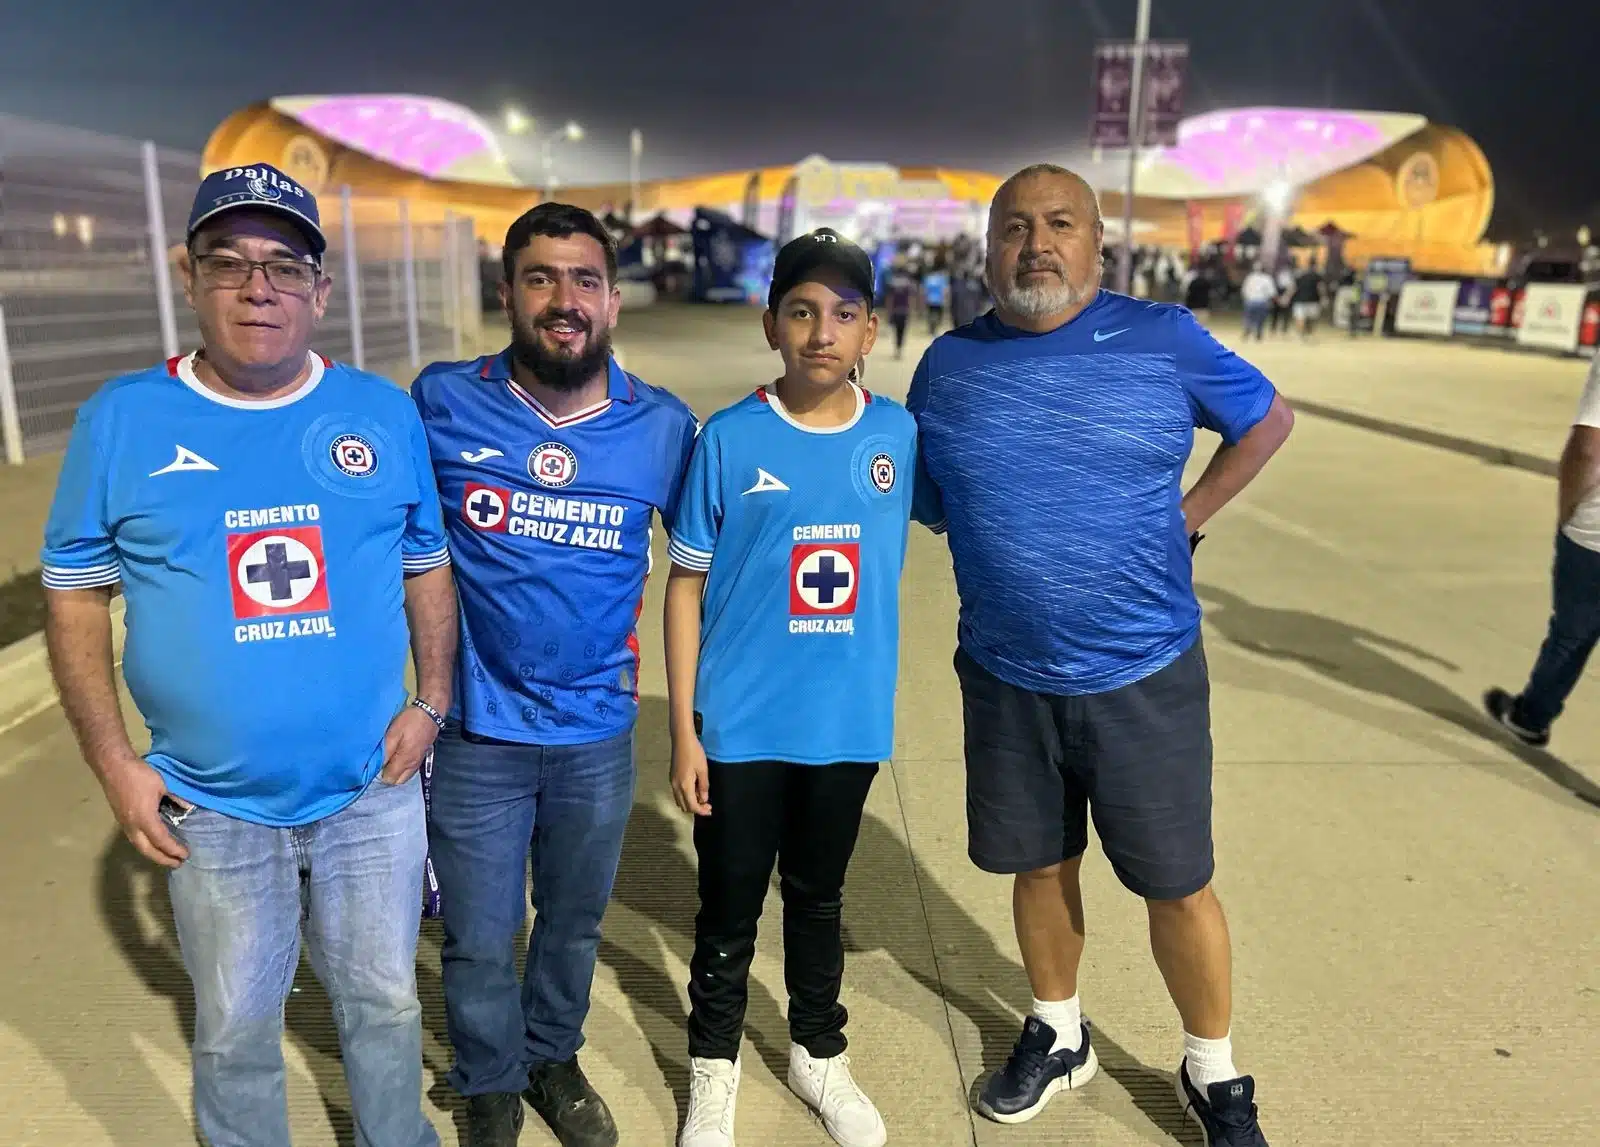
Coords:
pixel 1044 300
pixel 560 369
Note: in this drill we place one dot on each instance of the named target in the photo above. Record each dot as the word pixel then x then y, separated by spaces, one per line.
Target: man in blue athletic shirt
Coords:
pixel 1054 432
pixel 272 519
pixel 551 461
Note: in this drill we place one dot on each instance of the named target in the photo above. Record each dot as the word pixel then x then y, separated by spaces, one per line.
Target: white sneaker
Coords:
pixel 827 1088
pixel 713 1092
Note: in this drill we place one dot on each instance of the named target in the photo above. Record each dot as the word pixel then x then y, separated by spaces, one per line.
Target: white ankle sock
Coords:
pixel 1210 1060
pixel 1066 1016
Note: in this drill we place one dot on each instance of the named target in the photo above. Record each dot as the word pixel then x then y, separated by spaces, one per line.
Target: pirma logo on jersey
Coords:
pixel 552 464
pixel 354 455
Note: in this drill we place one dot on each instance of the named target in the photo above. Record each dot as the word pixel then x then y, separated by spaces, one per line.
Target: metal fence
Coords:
pixel 90 226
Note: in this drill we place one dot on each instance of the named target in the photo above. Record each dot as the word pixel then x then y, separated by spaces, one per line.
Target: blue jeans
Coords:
pixel 499 810
pixel 1574 629
pixel 238 901
pixel 1255 318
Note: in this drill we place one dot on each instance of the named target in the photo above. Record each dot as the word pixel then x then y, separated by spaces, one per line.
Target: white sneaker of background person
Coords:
pixel 713 1094
pixel 828 1089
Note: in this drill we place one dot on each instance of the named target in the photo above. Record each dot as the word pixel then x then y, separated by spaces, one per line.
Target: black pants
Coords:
pixel 805 817
pixel 898 322
pixel 1574 629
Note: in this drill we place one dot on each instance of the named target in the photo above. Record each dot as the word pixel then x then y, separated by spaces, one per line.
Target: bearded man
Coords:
pixel 1053 436
pixel 551 461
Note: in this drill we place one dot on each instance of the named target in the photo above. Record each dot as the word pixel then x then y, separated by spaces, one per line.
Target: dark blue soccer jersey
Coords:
pixel 550 523
pixel 260 547
pixel 1054 461
pixel 802 534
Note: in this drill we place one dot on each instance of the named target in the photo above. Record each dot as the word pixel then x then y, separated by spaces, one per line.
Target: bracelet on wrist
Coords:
pixel 433 714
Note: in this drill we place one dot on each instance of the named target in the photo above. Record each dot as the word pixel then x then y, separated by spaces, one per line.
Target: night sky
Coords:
pixel 990 84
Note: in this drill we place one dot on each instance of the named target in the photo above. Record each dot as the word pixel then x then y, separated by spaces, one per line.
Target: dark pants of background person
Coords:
pixel 1574 629
pixel 935 318
pixel 1255 319
pixel 500 809
pixel 898 322
pixel 804 817
pixel 1280 317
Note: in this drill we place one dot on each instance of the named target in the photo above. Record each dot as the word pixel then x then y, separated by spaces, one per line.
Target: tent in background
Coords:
pixel 732 263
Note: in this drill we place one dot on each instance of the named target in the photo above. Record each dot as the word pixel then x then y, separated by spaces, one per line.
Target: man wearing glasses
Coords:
pixel 272 519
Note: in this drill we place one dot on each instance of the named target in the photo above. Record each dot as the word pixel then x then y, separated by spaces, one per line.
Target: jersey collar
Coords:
pixel 619 385
pixel 182 368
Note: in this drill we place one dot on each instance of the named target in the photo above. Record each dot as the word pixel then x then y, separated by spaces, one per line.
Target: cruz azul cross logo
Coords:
pixel 822 578
pixel 486 507
pixel 278 571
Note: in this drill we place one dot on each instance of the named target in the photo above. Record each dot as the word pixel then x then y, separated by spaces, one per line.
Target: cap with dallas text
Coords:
pixel 259 187
pixel 807 254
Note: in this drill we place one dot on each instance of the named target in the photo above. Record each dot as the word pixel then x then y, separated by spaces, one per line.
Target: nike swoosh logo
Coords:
pixel 483 455
pixel 1102 336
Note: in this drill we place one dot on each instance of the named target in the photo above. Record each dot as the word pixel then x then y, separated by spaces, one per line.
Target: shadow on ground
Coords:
pixel 1364 660
pixel 893 905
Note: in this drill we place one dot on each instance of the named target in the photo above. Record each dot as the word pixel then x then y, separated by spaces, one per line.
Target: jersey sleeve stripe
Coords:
pixel 59 577
pixel 422 563
pixel 688 557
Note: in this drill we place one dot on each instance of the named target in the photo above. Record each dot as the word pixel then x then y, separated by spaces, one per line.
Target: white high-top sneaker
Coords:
pixel 828 1089
pixel 713 1093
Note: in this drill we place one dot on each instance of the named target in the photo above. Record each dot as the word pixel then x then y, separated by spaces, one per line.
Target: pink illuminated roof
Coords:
pixel 430 137
pixel 1242 151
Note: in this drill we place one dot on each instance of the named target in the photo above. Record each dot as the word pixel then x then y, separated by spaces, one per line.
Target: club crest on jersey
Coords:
pixel 354 455
pixel 277 571
pixel 823 577
pixel 882 471
pixel 485 507
pixel 552 464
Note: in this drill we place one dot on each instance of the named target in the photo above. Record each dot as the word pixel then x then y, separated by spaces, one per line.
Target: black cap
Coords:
pixel 806 255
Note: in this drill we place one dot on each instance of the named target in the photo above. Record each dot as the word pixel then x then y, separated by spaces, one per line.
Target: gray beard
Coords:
pixel 1039 302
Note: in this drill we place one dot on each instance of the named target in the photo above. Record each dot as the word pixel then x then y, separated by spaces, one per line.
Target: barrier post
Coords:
pixel 352 272
pixel 409 270
pixel 156 224
pixel 10 423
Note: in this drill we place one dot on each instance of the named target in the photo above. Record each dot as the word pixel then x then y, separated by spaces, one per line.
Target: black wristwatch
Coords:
pixel 433 714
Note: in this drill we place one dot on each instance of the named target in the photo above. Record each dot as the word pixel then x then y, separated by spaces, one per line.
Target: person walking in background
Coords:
pixel 1575 583
pixel 1281 301
pixel 272 519
pixel 552 462
pixel 1308 296
pixel 782 630
pixel 1053 436
pixel 1257 291
pixel 899 295
pixel 1197 293
pixel 935 287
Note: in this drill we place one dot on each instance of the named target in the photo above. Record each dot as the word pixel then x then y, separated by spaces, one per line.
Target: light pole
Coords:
pixel 1135 132
pixel 572 133
pixel 635 150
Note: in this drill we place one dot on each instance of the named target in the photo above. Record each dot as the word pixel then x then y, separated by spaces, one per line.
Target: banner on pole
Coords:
pixel 1197 224
pixel 1166 65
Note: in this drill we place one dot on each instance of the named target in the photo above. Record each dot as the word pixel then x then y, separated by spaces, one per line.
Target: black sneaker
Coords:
pixel 1502 707
pixel 1226 1112
pixel 494 1120
pixel 1033 1074
pixel 561 1094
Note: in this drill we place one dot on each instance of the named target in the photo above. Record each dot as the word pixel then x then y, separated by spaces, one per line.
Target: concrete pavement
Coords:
pixel 1412 899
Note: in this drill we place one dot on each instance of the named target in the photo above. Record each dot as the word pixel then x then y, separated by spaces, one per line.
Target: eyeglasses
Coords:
pixel 230 272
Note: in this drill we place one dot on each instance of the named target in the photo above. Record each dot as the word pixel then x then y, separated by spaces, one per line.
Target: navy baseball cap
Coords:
pixel 808 254
pixel 259 187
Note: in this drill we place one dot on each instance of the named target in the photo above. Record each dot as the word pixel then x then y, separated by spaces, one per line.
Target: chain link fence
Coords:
pixel 90 226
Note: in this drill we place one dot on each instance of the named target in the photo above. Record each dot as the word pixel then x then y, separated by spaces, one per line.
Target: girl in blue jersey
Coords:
pixel 782 631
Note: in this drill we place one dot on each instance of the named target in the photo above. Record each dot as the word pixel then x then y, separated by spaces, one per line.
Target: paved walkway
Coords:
pixel 1412 901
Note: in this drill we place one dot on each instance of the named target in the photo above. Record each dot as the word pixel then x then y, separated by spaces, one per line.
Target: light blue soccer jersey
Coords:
pixel 1055 462
pixel 261 548
pixel 549 521
pixel 802 533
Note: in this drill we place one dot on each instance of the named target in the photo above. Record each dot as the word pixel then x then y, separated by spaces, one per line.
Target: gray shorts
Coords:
pixel 1138 759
